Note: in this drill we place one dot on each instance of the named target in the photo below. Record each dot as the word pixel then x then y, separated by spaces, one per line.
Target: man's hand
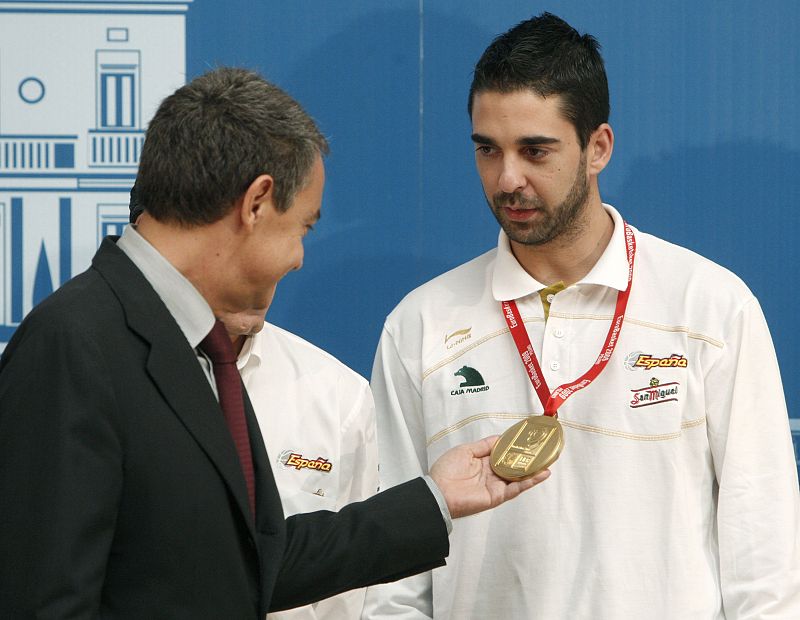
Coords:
pixel 469 485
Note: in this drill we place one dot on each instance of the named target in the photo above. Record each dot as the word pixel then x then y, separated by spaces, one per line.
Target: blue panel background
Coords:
pixel 704 107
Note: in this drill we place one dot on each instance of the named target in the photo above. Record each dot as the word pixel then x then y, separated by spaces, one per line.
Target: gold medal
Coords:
pixel 527 448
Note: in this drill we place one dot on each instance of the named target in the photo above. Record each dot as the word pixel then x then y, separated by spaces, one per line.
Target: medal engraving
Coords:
pixel 527 448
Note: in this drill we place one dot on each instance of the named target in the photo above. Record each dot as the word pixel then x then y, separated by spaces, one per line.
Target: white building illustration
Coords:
pixel 78 83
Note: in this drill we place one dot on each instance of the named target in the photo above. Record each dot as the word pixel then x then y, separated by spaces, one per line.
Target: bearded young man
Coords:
pixel 676 494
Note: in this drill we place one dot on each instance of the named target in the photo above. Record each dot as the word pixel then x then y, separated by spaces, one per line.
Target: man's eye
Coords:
pixel 535 153
pixel 484 150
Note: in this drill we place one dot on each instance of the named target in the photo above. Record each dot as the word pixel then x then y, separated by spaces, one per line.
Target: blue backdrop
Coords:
pixel 704 107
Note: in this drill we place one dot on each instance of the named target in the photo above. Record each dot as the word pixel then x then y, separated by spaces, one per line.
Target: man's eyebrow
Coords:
pixel 524 141
pixel 315 217
pixel 537 140
pixel 479 139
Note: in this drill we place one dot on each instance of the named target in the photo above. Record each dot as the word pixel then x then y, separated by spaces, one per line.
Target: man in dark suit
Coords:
pixel 123 489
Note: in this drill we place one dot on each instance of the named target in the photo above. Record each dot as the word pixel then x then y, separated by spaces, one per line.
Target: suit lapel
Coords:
pixel 269 510
pixel 174 368
pixel 190 397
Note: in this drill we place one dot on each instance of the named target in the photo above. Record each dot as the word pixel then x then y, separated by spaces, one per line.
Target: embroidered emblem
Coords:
pixel 630 360
pixel 654 394
pixel 644 361
pixel 290 458
pixel 457 337
pixel 472 382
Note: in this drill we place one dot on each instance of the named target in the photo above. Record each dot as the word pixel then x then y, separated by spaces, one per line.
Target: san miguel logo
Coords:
pixel 645 361
pixel 457 337
pixel 290 458
pixel 655 394
pixel 472 382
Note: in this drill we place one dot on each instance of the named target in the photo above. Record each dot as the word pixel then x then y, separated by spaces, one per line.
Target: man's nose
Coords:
pixel 511 177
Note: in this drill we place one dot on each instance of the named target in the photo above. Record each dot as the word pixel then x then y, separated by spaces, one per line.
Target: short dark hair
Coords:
pixel 213 137
pixel 547 55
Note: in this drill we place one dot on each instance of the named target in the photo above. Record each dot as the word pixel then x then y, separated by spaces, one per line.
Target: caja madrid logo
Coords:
pixel 292 459
pixel 472 382
pixel 644 361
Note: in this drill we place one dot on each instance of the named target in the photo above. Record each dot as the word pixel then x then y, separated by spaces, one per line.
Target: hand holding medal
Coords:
pixel 536 442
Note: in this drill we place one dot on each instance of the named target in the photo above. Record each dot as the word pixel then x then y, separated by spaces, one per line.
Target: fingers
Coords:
pixel 483 447
pixel 534 480
pixel 515 488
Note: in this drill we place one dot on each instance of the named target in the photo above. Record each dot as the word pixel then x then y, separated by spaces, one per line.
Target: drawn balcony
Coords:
pixel 114 148
pixel 36 153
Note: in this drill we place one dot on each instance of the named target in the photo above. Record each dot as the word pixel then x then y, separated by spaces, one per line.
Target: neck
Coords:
pixel 568 258
pixel 199 253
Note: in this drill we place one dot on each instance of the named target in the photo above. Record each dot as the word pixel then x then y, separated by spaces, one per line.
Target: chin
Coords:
pixel 254 328
pixel 242 323
pixel 250 323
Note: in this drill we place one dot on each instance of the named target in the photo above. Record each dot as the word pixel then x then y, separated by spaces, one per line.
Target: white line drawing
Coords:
pixel 78 83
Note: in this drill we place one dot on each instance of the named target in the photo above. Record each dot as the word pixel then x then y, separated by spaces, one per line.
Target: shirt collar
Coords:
pixel 511 281
pixel 251 353
pixel 183 301
pixel 611 269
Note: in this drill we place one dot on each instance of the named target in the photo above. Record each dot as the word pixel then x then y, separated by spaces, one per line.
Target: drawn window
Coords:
pixel 118 89
pixel 31 90
pixel 117 99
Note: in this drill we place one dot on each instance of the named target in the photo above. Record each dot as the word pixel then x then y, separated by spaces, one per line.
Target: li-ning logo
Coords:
pixel 654 394
pixel 645 361
pixel 457 337
pixel 473 382
pixel 290 458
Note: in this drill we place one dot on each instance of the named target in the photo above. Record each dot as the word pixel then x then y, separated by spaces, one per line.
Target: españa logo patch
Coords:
pixel 645 361
pixel 292 459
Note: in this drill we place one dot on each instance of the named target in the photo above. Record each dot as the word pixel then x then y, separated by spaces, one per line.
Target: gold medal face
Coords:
pixel 527 448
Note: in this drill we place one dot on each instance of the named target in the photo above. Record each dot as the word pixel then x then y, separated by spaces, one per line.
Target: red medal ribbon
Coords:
pixel 552 401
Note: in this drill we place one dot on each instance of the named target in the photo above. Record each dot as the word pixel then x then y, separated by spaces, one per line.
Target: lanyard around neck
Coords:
pixel 552 401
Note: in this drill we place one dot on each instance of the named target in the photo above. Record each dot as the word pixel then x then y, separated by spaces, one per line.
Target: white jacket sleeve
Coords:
pixel 758 510
pixel 402 455
pixel 358 481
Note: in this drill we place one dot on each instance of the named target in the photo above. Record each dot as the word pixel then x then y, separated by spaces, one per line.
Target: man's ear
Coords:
pixel 599 149
pixel 257 200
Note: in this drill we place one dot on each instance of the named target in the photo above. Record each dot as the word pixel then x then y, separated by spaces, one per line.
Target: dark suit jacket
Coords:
pixel 121 495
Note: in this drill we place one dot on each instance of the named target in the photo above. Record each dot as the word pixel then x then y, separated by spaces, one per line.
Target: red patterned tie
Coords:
pixel 217 346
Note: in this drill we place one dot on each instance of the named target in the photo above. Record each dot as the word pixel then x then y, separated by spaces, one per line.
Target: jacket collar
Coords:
pixel 173 366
